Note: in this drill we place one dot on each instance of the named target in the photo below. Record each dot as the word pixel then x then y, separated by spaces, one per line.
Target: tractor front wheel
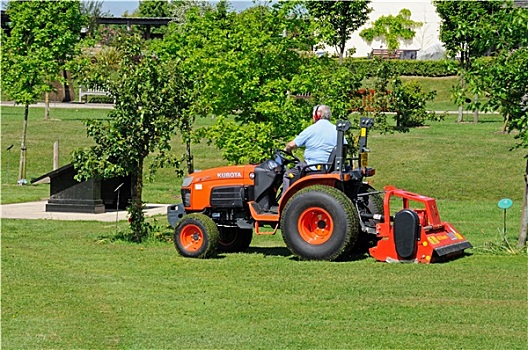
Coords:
pixel 196 236
pixel 320 223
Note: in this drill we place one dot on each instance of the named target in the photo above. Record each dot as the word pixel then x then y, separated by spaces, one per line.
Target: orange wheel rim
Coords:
pixel 315 225
pixel 191 238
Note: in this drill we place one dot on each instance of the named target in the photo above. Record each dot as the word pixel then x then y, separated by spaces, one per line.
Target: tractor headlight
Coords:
pixel 187 181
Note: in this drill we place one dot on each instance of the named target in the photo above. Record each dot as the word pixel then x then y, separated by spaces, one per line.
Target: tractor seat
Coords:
pixel 323 168
pixel 320 168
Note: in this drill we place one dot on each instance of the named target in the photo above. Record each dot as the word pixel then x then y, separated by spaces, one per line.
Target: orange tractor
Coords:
pixel 326 214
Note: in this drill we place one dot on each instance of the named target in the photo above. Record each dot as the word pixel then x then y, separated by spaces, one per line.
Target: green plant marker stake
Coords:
pixel 504 204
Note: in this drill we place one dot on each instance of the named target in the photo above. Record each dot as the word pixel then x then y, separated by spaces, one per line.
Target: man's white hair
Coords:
pixel 326 113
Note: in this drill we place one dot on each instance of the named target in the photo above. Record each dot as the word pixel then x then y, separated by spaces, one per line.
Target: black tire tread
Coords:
pixel 210 230
pixel 351 218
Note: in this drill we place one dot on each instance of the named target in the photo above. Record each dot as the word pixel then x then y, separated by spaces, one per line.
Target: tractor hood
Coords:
pixel 198 188
pixel 236 174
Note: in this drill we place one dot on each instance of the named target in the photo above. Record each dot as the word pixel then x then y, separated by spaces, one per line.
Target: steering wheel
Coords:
pixel 286 157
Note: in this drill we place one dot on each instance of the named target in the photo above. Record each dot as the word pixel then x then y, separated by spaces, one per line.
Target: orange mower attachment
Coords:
pixel 415 235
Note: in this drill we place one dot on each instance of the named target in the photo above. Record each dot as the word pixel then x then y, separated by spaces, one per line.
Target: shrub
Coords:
pixel 409 101
pixel 389 94
pixel 368 67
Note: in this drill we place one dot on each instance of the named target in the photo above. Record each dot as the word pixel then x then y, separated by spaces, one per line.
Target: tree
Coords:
pixel 502 78
pixel 335 21
pixel 461 27
pixel 242 67
pixel 151 8
pixel 409 102
pixel 179 8
pixel 42 40
pixel 503 32
pixel 149 94
pixel 465 31
pixel 504 81
pixel 247 69
pixel 391 29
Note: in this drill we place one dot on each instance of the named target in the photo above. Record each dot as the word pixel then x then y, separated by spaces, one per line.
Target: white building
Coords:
pixel 427 36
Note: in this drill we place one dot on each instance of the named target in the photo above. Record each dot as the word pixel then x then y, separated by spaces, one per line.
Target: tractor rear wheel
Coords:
pixel 196 236
pixel 319 223
pixel 234 239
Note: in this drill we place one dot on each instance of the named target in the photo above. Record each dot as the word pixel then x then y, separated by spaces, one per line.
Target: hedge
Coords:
pixel 367 67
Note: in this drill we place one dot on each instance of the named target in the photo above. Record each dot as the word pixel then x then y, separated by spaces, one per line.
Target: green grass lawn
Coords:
pixel 443 87
pixel 62 287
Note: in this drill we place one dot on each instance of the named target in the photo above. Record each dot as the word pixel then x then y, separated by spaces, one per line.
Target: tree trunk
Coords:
pixel 506 122
pixel 66 86
pixel 137 218
pixel 460 118
pixel 22 166
pixel 524 216
pixel 46 105
pixel 460 114
pixel 341 53
pixel 190 165
pixel 138 190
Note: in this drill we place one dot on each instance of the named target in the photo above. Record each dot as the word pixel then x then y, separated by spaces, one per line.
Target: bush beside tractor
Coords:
pixel 330 213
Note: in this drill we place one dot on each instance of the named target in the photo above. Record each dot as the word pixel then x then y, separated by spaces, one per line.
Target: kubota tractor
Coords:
pixel 326 214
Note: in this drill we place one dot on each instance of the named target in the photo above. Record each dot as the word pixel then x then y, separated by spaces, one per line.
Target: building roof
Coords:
pixel 156 21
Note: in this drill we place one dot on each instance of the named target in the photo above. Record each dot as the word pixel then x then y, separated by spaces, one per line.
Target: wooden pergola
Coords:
pixel 148 22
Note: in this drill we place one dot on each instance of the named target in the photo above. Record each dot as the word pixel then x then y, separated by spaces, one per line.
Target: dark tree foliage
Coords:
pixel 336 21
pixel 461 26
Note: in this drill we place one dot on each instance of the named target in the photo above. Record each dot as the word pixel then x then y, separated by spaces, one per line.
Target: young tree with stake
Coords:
pixel 150 95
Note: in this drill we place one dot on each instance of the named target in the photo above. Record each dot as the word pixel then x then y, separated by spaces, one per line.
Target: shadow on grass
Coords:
pixel 269 251
pixel 451 257
pixel 356 257
pixel 285 252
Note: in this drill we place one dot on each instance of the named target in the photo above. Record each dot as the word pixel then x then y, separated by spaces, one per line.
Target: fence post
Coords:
pixel 56 155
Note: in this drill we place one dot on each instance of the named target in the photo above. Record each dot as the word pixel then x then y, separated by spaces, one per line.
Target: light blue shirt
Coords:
pixel 319 139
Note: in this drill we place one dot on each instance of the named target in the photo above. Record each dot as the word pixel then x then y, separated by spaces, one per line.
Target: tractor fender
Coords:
pixel 309 180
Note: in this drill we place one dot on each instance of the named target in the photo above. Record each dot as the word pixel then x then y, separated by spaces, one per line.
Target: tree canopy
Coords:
pixel 158 8
pixel 35 53
pixel 247 69
pixel 391 29
pixel 39 45
pixel 468 31
pixel 464 26
pixel 503 76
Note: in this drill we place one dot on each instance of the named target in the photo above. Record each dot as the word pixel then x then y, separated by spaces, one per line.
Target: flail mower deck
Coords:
pixel 415 235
